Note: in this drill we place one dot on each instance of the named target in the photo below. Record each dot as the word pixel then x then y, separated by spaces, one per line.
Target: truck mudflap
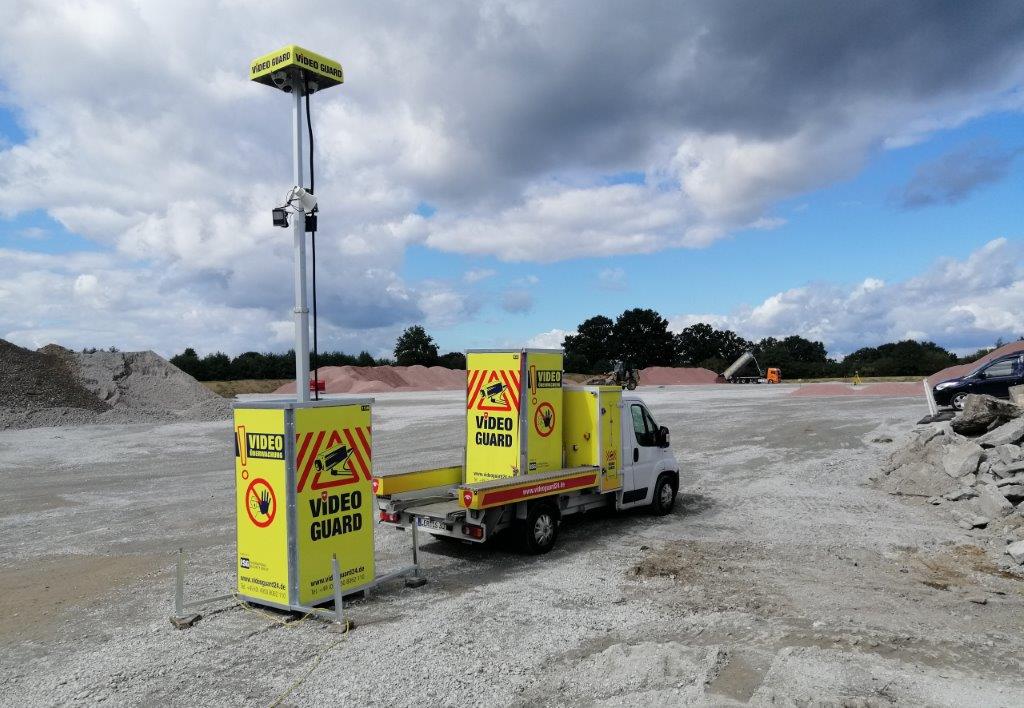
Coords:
pixel 487 495
pixel 385 485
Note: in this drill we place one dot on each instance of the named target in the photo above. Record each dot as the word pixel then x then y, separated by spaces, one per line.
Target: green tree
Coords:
pixel 641 339
pixel 452 360
pixel 188 361
pixel 590 350
pixel 365 359
pixel 217 367
pixel 702 345
pixel 415 346
pixel 906 358
pixel 796 356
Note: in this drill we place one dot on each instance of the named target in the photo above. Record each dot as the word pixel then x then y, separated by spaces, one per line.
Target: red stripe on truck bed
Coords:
pixel 528 491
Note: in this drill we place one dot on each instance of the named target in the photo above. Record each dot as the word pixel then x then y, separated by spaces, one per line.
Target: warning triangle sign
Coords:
pixel 494 392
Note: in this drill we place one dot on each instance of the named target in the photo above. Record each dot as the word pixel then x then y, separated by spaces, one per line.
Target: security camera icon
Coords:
pixel 333 461
pixel 495 393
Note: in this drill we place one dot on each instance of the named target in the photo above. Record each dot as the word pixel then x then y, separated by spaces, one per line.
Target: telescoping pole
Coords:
pixel 299 237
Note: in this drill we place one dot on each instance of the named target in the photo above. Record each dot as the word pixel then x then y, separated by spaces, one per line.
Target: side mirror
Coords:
pixel 663 436
pixel 981 375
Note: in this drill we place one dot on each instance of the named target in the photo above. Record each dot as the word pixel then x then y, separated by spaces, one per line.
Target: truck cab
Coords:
pixel 650 468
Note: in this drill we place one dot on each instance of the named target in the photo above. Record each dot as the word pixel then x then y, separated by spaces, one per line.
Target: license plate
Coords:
pixel 432 524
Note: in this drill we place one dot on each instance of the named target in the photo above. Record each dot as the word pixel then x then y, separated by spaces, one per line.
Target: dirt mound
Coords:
pixel 382 379
pixel 875 389
pixel 952 372
pixel 676 376
pixel 143 387
pixel 55 386
pixel 38 386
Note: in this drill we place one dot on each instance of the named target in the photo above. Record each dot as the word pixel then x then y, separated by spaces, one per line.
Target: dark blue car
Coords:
pixel 993 378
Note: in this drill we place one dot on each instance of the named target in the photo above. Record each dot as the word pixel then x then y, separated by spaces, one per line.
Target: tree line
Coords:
pixel 639 337
pixel 414 346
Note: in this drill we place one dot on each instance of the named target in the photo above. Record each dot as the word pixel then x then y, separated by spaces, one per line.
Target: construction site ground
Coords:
pixel 781 576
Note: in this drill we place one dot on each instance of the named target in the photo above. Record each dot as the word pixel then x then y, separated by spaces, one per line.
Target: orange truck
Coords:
pixel 536 451
pixel 730 375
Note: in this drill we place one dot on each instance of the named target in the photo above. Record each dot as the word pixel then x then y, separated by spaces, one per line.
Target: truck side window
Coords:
pixel 643 426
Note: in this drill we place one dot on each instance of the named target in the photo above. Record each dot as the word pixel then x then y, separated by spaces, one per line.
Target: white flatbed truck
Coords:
pixel 535 453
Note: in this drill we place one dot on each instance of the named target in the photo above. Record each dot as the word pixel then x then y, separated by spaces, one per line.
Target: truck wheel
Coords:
pixel 540 529
pixel 664 496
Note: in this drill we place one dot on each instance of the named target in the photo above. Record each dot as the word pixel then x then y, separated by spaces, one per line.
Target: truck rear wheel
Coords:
pixel 540 529
pixel 664 496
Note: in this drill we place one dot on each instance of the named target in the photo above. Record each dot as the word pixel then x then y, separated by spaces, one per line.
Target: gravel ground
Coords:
pixel 781 577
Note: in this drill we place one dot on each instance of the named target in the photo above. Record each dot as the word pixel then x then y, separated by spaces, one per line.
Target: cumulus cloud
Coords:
pixel 959 304
pixel 956 175
pixel 144 136
pixel 552 339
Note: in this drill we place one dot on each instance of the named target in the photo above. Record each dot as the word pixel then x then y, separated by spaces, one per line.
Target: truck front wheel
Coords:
pixel 664 496
pixel 540 529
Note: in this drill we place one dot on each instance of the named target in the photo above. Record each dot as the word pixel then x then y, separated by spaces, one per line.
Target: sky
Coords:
pixel 500 171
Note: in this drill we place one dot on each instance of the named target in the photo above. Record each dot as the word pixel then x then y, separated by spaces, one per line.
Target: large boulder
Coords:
pixel 961 458
pixel 1006 434
pixel 916 467
pixel 1013 492
pixel 992 503
pixel 982 413
pixel 1006 454
pixel 1017 395
pixel 1005 471
pixel 1016 551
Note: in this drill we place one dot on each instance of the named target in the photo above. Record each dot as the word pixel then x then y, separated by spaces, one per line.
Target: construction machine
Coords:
pixel 622 376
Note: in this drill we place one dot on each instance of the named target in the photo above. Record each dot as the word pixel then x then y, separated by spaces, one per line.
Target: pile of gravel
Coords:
pixel 54 386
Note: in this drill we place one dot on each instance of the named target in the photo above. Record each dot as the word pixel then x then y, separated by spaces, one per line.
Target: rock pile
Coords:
pixel 55 386
pixel 973 466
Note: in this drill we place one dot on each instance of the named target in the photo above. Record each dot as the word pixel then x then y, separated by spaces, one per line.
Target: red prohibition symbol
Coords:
pixel 544 419
pixel 260 502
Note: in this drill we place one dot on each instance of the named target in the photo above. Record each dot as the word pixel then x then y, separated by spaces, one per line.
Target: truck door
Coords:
pixel 640 450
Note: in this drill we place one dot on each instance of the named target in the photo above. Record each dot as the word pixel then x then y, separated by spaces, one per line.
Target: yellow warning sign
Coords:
pixel 544 411
pixel 333 498
pixel 260 491
pixel 493 390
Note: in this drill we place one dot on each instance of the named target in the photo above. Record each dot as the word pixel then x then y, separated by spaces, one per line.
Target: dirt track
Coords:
pixel 780 577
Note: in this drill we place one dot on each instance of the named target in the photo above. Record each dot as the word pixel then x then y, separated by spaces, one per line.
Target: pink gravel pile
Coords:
pixel 676 376
pixel 382 379
pixel 875 389
pixel 955 371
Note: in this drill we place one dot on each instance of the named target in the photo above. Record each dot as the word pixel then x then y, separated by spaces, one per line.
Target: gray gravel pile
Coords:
pixel 40 388
pixel 143 387
pixel 54 386
pixel 972 466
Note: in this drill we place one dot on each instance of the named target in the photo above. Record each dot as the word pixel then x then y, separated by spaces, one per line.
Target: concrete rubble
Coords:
pixel 973 466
